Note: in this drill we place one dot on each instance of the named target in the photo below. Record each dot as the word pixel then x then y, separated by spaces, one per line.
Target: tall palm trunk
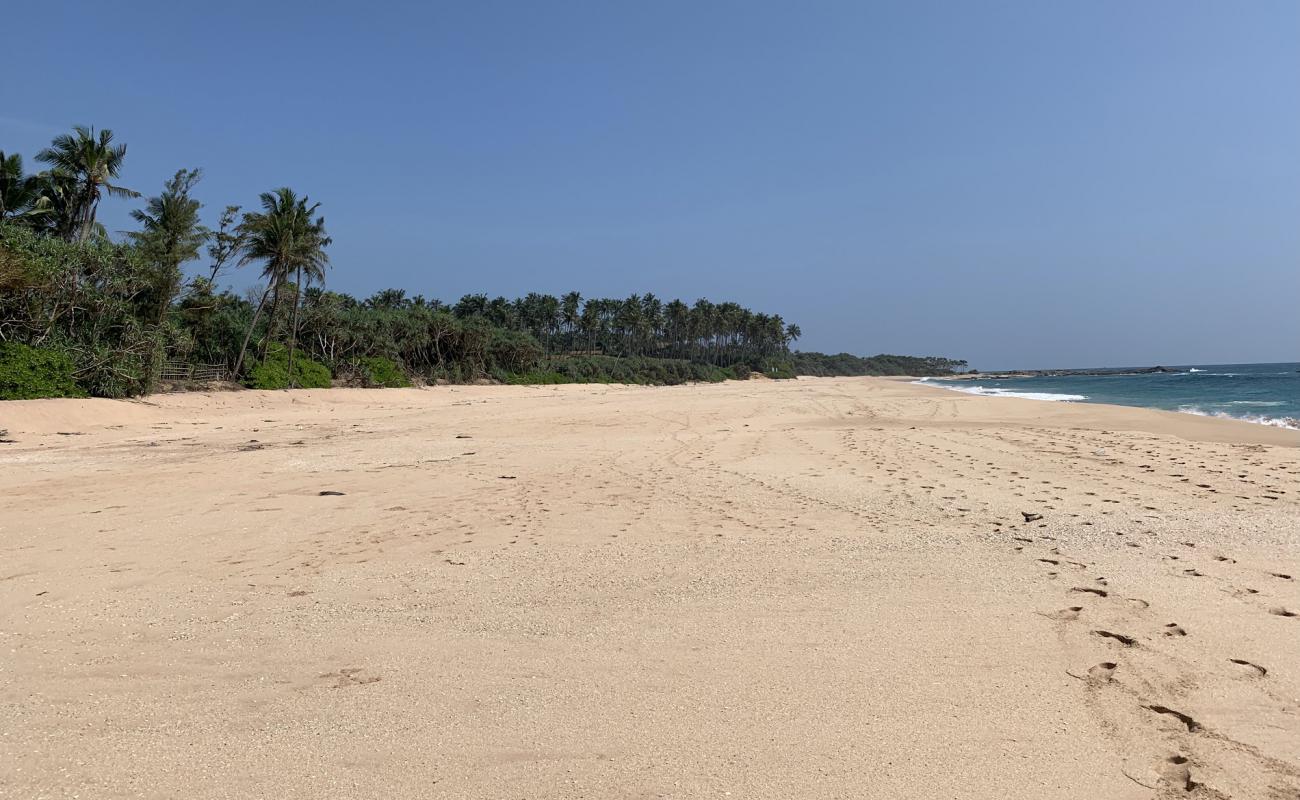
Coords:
pixel 87 215
pixel 293 329
pixel 249 335
pixel 270 321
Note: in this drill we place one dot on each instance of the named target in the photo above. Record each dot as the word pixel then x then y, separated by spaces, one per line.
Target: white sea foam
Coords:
pixel 1194 369
pixel 992 391
pixel 1255 403
pixel 1277 422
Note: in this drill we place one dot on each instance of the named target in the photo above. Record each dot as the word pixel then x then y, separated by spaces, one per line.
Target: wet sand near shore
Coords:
pixel 816 588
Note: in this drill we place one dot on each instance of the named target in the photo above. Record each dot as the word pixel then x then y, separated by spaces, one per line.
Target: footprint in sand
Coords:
pixel 1191 724
pixel 1127 641
pixel 1091 590
pixel 1279 611
pixel 1105 671
pixel 1176 772
pixel 1243 663
pixel 1174 629
pixel 350 676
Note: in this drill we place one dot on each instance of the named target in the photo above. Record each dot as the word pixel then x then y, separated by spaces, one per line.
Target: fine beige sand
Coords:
pixel 804 589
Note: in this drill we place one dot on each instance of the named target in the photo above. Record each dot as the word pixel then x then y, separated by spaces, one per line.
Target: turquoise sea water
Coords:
pixel 1268 394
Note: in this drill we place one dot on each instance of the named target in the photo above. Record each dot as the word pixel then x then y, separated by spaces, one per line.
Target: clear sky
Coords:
pixel 1021 184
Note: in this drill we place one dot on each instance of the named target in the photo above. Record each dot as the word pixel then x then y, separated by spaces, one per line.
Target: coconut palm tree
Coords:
pixel 90 163
pixel 570 314
pixel 792 333
pixel 20 195
pixel 288 241
pixel 171 234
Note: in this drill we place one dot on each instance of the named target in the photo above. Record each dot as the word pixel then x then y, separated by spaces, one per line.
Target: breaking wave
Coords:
pixel 1290 423
pixel 988 391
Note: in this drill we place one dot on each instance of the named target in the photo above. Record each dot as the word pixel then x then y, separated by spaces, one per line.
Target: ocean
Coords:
pixel 1268 394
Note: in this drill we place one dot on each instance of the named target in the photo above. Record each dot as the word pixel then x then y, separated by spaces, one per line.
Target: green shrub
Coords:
pixel 29 373
pixel 273 371
pixel 781 368
pixel 96 301
pixel 512 351
pixel 378 371
pixel 536 377
pixel 630 369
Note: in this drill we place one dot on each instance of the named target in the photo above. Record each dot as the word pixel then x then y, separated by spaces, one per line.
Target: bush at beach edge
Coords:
pixel 380 372
pixel 32 373
pixel 272 372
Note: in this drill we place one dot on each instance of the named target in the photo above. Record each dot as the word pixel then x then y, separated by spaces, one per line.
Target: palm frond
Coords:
pixel 119 191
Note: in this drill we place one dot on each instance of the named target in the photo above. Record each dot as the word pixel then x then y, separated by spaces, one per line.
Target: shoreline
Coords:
pixel 1282 423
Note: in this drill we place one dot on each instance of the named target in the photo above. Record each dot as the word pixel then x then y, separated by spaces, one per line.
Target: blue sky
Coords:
pixel 1026 184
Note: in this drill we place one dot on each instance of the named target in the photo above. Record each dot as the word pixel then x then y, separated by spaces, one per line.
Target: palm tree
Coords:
pixel 703 324
pixel 288 241
pixel 388 299
pixel 677 316
pixel 471 305
pixel 89 163
pixel 570 313
pixel 172 233
pixel 501 313
pixel 57 205
pixel 20 195
pixel 590 322
pixel 550 317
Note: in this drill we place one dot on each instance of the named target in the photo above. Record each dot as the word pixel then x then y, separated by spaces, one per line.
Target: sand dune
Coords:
pixel 819 588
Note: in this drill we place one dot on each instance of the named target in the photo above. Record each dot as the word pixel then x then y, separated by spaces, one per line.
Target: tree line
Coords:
pixel 88 314
pixel 848 365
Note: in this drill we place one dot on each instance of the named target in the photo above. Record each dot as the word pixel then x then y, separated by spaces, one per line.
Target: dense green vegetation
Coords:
pixel 115 319
pixel 631 369
pixel 95 302
pixel 380 372
pixel 845 364
pixel 30 373
pixel 273 371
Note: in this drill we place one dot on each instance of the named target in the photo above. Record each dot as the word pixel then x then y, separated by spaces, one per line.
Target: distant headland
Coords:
pixel 1059 373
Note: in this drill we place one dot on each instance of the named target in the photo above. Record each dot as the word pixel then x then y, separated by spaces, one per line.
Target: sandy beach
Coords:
pixel 823 588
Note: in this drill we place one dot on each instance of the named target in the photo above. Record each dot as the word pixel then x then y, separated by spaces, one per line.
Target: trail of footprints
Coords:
pixel 1127 683
pixel 935 467
pixel 1140 690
